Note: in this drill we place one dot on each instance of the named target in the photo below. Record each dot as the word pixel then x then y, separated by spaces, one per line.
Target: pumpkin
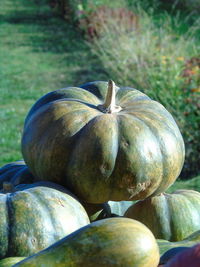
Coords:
pixel 188 257
pixel 169 216
pixel 35 216
pixel 104 243
pixel 15 172
pixel 189 241
pixel 10 261
pixel 103 142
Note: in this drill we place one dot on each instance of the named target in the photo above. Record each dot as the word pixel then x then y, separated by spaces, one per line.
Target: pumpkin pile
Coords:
pixel 91 189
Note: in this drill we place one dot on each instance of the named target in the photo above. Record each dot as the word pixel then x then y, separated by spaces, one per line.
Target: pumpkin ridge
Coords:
pixel 45 208
pixel 52 128
pixel 7 167
pixel 142 185
pixel 90 105
pixel 167 215
pixel 83 140
pixel 171 201
pixel 3 227
pixel 16 231
pixel 134 94
pixel 154 130
pixel 9 223
pixel 56 95
pixel 43 110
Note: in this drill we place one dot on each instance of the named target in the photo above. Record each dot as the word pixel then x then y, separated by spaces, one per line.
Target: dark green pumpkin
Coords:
pixel 169 216
pixel 35 216
pixel 15 172
pixel 101 146
pixel 105 243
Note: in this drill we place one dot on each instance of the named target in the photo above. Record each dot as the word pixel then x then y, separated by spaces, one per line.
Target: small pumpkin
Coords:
pixel 16 173
pixel 169 216
pixel 103 142
pixel 35 216
pixel 105 243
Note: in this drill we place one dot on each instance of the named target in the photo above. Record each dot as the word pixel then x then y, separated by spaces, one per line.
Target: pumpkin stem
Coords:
pixel 109 106
pixel 8 187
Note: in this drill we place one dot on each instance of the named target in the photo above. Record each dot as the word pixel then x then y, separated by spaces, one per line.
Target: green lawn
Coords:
pixel 39 52
pixel 192 184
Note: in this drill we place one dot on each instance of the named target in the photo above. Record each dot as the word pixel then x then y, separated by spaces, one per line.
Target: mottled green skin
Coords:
pixel 105 243
pixel 189 241
pixel 126 155
pixel 8 262
pixel 16 173
pixel 169 216
pixel 35 216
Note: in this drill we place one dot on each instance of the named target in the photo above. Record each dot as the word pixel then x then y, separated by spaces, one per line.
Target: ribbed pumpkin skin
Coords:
pixel 125 155
pixel 35 216
pixel 108 242
pixel 189 241
pixel 15 172
pixel 169 216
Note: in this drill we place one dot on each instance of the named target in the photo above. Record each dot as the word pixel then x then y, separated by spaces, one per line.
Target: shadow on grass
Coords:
pixel 46 31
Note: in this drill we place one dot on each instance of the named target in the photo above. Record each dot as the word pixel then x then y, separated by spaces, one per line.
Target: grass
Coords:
pixel 192 184
pixel 39 52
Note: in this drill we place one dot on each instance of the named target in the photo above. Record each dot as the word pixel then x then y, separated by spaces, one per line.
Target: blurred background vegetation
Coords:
pixel 153 46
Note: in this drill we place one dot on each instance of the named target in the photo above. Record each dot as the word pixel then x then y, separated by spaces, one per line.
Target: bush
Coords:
pixel 93 24
pixel 163 63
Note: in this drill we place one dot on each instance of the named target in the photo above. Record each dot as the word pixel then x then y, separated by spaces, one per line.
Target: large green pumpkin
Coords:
pixel 103 146
pixel 169 216
pixel 35 216
pixel 105 243
pixel 16 173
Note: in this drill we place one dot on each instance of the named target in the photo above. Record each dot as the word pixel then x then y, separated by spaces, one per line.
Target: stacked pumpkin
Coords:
pixel 85 146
